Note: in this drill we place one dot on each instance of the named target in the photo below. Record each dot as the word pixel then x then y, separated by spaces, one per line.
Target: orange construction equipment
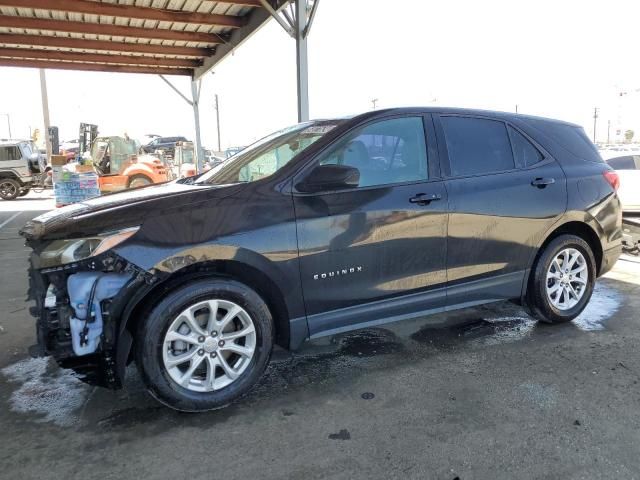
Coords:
pixel 119 165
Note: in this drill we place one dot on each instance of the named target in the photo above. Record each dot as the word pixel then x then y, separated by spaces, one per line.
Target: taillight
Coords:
pixel 611 176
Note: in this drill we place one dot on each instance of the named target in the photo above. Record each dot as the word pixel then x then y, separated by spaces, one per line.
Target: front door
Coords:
pixel 363 248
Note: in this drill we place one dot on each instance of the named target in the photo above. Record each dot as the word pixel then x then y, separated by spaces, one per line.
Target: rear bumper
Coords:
pixel 609 259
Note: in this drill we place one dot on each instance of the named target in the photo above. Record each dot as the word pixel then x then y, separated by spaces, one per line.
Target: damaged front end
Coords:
pixel 80 288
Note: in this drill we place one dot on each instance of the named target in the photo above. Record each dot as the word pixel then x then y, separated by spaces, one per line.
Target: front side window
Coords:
pixel 524 152
pixel 477 146
pixel 385 152
pixel 10 153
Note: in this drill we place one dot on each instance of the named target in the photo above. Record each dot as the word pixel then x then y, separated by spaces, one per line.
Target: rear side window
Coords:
pixel 571 138
pixel 622 163
pixel 525 154
pixel 477 145
pixel 10 153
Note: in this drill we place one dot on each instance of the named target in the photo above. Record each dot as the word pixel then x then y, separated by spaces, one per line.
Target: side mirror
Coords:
pixel 330 177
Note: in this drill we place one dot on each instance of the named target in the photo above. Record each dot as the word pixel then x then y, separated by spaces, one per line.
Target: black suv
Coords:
pixel 323 227
pixel 166 145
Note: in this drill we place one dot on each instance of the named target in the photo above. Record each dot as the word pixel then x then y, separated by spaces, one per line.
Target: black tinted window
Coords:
pixel 477 145
pixel 569 137
pixel 524 152
pixel 622 163
pixel 390 151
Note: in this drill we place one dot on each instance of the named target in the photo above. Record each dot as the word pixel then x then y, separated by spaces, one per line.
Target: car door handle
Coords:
pixel 543 182
pixel 425 199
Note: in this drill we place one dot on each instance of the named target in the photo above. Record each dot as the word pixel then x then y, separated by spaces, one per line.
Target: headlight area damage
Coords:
pixel 79 287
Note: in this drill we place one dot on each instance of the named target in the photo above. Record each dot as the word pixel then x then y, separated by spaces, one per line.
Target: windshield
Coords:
pixel 187 156
pixel 268 155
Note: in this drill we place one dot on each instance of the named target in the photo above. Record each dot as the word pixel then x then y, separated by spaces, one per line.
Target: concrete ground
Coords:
pixel 485 393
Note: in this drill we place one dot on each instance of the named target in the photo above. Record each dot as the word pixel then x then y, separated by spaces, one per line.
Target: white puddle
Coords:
pixel 604 303
pixel 54 394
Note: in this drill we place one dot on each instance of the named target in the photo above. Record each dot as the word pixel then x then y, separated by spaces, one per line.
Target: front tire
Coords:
pixel 204 345
pixel 562 280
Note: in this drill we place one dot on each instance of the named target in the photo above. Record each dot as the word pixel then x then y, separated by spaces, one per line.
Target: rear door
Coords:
pixel 505 192
pixel 364 248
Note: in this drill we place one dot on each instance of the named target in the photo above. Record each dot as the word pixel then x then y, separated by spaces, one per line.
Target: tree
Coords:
pixel 628 136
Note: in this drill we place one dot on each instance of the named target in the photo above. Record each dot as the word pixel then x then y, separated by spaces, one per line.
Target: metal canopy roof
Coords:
pixel 170 37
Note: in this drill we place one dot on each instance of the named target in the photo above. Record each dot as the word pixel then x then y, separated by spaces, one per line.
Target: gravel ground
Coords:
pixel 482 393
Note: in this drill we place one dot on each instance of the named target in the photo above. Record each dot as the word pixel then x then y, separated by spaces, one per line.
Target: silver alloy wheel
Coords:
pixel 7 190
pixel 567 279
pixel 209 345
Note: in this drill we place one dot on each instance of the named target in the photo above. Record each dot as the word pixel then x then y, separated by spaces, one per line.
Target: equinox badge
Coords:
pixel 337 273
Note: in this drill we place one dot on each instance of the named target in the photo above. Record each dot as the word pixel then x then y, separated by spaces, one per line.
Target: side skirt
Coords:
pixel 406 307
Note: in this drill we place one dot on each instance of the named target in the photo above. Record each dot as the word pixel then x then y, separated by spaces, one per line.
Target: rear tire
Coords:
pixel 562 280
pixel 9 188
pixel 191 360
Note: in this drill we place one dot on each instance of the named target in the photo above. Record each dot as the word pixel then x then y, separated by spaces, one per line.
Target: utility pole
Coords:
pixel 218 120
pixel 45 111
pixel 374 102
pixel 8 123
pixel 608 131
pixel 516 108
pixel 595 122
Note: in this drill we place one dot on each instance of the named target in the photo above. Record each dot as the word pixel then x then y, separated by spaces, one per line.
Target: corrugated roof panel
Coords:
pixel 90 50
pixel 200 6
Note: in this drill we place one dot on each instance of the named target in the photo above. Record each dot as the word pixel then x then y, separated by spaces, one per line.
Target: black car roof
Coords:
pixel 451 110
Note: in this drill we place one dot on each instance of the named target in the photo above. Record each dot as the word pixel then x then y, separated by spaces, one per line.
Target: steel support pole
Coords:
pixel 45 111
pixel 302 65
pixel 195 95
pixel 218 121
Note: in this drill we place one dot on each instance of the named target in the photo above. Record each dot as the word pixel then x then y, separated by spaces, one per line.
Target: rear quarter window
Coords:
pixel 571 138
pixel 524 152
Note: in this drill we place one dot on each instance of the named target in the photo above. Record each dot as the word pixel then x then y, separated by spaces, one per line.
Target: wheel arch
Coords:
pixel 576 227
pixel 139 168
pixel 141 302
pixel 580 229
pixel 10 174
